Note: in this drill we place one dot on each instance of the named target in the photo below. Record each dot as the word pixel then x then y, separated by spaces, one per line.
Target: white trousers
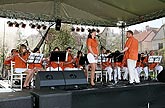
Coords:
pixel 109 71
pixel 146 71
pixel 125 76
pixel 139 70
pixel 158 68
pixel 133 75
pixel 117 73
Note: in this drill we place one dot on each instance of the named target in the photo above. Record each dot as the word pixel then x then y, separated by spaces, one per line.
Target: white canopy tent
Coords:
pixel 87 12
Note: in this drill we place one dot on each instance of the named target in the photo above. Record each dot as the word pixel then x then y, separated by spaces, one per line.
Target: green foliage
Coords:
pixel 61 39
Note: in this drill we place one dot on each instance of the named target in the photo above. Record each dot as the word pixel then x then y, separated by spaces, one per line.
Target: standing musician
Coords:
pixel 92 45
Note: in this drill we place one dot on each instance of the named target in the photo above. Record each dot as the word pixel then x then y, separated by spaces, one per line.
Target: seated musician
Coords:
pixel 152 66
pixel 69 64
pixel 20 60
pixel 7 61
pixel 155 66
pixel 139 64
pixel 77 60
pixel 34 67
pixel 117 66
pixel 54 65
pixel 124 69
pixel 106 62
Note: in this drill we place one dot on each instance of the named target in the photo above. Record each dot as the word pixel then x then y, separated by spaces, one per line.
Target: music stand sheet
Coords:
pixel 35 58
pixel 154 59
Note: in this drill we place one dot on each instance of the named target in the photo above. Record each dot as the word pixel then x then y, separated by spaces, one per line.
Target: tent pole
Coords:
pixel 122 34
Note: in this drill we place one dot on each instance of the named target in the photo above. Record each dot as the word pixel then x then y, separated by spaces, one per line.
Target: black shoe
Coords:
pixel 137 83
pixel 130 84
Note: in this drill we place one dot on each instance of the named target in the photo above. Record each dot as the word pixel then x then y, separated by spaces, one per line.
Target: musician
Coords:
pixel 77 60
pixel 36 66
pixel 54 65
pixel 151 66
pixel 117 66
pixel 70 63
pixel 131 56
pixel 20 60
pixel 106 65
pixel 92 45
pixel 7 61
pixel 139 64
pixel 125 70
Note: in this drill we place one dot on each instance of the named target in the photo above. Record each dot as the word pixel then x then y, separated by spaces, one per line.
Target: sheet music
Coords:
pixel 35 58
pixel 154 59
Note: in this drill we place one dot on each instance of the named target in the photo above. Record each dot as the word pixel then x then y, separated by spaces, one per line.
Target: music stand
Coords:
pixel 35 58
pixel 154 59
pixel 58 56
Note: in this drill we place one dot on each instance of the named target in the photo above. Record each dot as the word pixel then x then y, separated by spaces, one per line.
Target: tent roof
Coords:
pixel 88 12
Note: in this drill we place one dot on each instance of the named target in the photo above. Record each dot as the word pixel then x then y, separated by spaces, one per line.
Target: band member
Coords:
pixel 54 65
pixel 106 65
pixel 20 60
pixel 69 64
pixel 125 70
pixel 93 52
pixel 77 60
pixel 151 66
pixel 117 66
pixel 131 57
pixel 7 61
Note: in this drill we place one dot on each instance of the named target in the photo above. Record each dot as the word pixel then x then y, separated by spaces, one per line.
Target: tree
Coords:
pixel 61 39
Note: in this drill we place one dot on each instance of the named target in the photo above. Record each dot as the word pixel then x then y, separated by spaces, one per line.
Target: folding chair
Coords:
pixel 16 77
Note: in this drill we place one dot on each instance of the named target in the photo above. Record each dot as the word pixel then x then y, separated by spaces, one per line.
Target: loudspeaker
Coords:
pixel 161 76
pixel 16 100
pixel 51 99
pixel 61 79
pixel 75 79
pixel 49 79
pixel 58 24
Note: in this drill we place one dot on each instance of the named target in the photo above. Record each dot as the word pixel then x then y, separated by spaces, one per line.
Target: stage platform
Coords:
pixel 144 95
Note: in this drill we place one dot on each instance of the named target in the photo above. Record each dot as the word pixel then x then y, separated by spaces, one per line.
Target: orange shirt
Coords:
pixel 19 63
pixel 55 64
pixel 77 62
pixel 7 62
pixel 70 65
pixel 94 45
pixel 33 65
pixel 119 64
pixel 107 63
pixel 132 52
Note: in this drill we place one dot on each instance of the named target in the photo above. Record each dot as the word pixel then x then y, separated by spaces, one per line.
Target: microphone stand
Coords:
pixel 101 49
